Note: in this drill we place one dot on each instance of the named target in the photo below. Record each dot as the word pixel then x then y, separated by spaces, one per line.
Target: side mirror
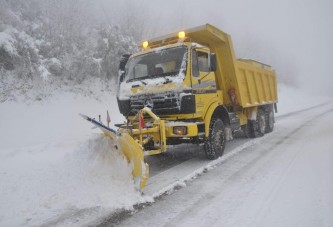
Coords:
pixel 123 60
pixel 121 77
pixel 212 62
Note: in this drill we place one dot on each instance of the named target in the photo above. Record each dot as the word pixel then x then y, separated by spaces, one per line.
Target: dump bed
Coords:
pixel 256 83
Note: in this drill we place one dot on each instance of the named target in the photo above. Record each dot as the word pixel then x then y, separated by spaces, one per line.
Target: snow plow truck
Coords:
pixel 188 87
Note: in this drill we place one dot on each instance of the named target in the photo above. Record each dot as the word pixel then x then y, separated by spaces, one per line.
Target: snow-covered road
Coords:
pixel 59 172
pixel 284 180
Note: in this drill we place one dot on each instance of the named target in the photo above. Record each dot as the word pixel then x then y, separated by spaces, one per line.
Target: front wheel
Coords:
pixel 215 142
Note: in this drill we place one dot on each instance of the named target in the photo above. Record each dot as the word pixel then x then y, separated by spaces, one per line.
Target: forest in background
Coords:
pixel 53 43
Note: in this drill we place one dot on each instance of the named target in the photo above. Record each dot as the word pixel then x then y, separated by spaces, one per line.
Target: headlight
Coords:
pixel 180 130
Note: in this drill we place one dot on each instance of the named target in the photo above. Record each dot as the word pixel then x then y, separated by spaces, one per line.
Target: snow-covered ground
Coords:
pixel 53 165
pixel 285 179
pixel 292 99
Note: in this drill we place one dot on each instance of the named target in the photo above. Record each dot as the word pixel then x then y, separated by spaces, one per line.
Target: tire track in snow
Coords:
pixel 284 174
pixel 274 146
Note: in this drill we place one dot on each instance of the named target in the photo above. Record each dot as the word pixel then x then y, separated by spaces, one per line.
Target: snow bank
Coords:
pixel 292 99
pixel 54 119
pixel 53 165
pixel 44 182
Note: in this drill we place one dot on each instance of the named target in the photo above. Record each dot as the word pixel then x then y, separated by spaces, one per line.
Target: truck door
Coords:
pixel 203 81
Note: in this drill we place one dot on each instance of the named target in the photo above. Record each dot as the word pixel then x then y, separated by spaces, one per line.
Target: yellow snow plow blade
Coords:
pixel 134 154
pixel 144 134
pixel 131 150
pixel 137 139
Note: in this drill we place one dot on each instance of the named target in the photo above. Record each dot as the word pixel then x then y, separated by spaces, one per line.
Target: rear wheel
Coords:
pixel 215 142
pixel 256 128
pixel 269 118
pixel 261 121
pixel 247 130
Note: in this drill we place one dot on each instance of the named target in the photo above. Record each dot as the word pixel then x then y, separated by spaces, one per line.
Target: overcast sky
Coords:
pixel 294 36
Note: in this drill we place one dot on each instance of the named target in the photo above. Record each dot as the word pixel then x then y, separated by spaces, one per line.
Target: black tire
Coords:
pixel 256 128
pixel 261 121
pixel 269 118
pixel 247 131
pixel 215 142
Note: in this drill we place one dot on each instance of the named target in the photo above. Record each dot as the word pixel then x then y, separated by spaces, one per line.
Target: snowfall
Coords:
pixel 56 170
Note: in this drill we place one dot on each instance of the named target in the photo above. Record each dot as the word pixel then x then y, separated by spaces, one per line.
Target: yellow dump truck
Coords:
pixel 188 87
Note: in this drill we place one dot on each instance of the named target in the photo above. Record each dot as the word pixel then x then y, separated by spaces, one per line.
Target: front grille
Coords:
pixel 162 103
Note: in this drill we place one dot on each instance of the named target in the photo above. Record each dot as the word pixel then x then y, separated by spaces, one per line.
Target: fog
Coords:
pixel 295 37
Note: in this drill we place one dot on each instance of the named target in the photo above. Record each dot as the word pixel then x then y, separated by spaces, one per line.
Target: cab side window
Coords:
pixel 203 61
pixel 195 67
pixel 199 62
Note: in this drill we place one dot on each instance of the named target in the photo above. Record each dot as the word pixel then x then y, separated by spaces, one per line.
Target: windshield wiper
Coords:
pixel 137 85
pixel 167 80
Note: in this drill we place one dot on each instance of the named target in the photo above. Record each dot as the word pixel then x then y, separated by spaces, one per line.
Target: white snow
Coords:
pixel 150 85
pixel 292 99
pixel 167 181
pixel 54 166
pixel 7 42
pixel 57 62
pixel 284 179
pixel 48 180
pixel 44 72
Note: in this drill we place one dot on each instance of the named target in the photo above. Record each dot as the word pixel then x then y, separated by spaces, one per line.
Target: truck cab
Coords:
pixel 166 79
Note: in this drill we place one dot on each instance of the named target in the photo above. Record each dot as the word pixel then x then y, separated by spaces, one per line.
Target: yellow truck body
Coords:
pixel 188 87
pixel 256 83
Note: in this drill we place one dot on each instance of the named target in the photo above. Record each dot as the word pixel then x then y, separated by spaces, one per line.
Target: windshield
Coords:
pixel 165 62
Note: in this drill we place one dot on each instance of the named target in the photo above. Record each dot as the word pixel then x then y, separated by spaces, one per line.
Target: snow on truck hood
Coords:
pixel 154 85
